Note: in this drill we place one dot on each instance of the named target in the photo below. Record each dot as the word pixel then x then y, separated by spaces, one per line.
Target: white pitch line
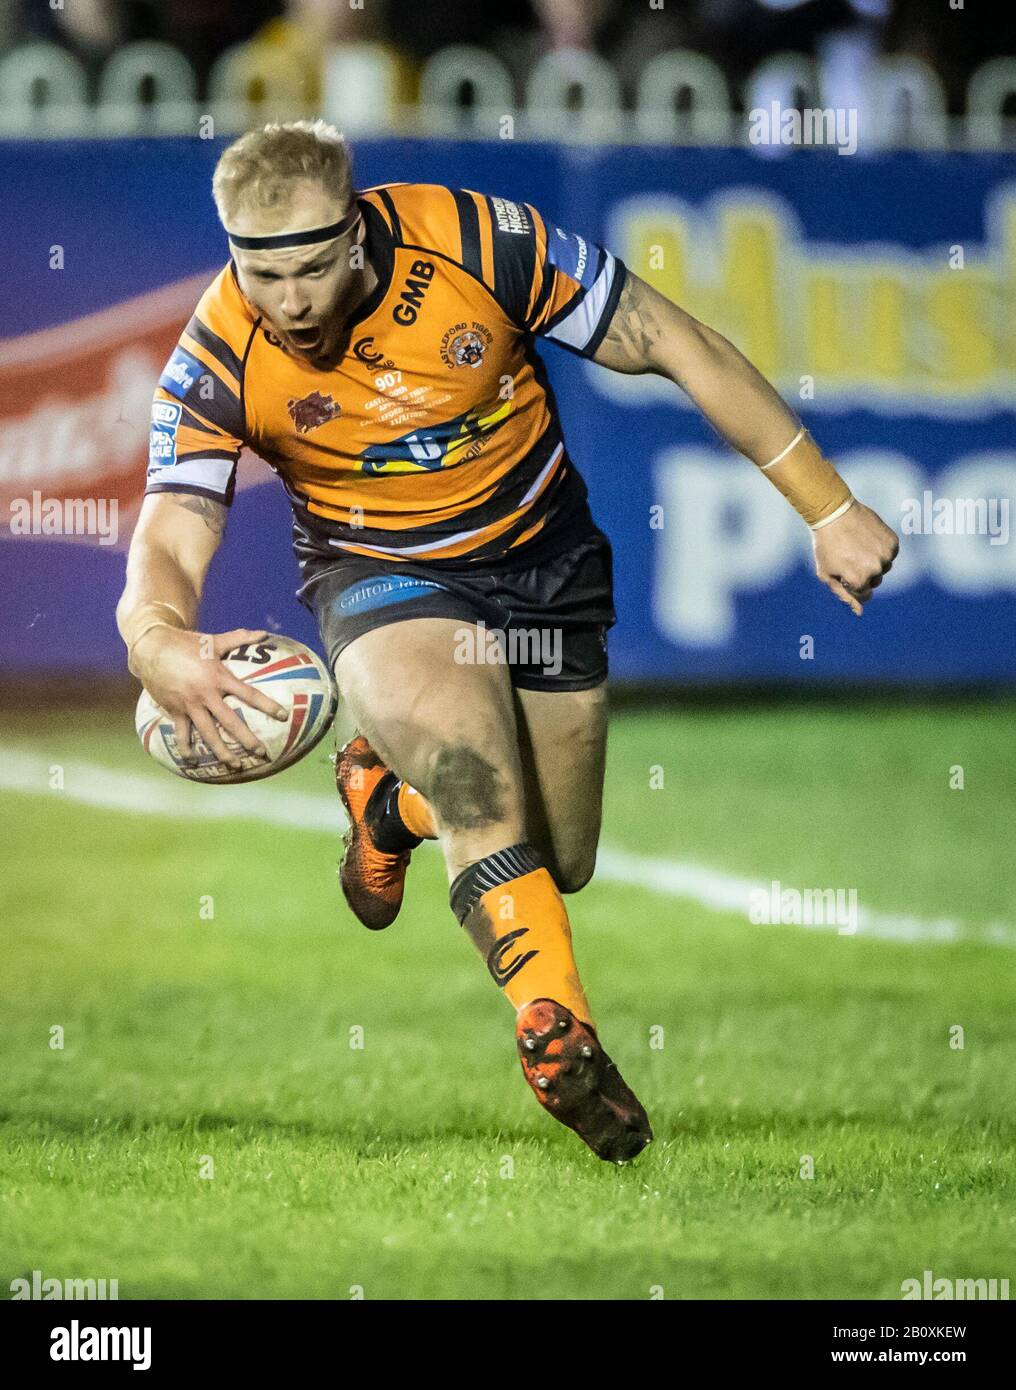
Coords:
pixel 30 772
pixel 22 771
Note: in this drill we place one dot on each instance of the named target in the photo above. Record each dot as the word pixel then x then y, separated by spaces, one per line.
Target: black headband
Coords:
pixel 308 238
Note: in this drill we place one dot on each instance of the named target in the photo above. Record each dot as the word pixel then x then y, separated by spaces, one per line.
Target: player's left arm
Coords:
pixel 647 333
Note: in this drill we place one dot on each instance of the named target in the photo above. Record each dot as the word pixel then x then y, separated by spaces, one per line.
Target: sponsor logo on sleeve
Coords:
pixel 182 371
pixel 571 255
pixel 162 436
pixel 510 217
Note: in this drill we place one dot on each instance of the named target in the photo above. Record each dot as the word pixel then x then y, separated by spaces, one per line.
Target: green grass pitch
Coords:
pixel 418 1165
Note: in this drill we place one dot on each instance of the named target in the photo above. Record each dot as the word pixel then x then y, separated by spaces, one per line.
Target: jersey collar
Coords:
pixel 379 248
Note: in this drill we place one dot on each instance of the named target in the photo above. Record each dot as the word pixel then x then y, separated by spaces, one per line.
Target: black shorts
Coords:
pixel 547 619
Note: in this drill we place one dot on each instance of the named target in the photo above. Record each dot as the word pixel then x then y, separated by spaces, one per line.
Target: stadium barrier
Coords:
pixel 682 97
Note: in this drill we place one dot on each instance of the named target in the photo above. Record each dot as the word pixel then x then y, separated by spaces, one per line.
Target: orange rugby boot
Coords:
pixel 373 878
pixel 576 1082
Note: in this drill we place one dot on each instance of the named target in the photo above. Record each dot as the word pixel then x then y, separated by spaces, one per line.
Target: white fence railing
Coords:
pixel 681 97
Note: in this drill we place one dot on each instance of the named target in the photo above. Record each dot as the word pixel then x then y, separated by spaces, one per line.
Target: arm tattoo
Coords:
pixel 634 331
pixel 212 513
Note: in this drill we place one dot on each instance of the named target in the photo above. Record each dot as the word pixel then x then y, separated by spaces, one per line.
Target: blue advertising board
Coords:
pixel 878 294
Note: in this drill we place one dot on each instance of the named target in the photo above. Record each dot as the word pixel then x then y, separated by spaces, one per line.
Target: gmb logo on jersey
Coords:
pixel 162 436
pixel 421 273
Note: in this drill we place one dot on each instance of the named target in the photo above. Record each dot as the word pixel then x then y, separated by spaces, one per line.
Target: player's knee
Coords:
pixel 574 871
pixel 468 788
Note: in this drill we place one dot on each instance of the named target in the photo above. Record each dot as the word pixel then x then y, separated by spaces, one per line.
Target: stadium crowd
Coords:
pixel 736 34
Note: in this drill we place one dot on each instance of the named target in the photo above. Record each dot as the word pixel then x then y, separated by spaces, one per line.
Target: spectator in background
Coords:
pixel 91 29
pixel 200 29
pixel 954 42
pixel 421 28
pixel 204 29
pixel 572 23
pixel 844 36
pixel 311 30
pixel 303 33
pixel 738 35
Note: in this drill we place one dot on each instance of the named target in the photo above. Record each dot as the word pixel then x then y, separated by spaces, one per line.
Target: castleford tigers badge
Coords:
pixel 467 350
pixel 464 345
pixel 312 411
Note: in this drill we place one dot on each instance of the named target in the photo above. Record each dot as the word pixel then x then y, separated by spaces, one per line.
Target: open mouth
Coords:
pixel 304 337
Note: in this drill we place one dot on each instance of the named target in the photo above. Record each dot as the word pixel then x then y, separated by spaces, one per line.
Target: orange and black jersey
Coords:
pixel 436 437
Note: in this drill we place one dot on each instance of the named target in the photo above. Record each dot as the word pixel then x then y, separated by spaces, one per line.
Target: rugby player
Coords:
pixel 377 349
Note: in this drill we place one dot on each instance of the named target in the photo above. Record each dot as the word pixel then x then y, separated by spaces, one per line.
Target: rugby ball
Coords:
pixel 290 674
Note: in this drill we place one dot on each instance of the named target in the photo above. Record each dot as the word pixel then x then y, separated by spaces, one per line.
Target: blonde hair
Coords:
pixel 259 169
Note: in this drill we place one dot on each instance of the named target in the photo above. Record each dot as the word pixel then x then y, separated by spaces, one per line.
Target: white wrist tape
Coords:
pixel 146 617
pixel 783 452
pixel 807 480
pixel 844 507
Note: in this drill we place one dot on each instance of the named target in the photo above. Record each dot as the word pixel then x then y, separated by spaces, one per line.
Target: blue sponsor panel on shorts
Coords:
pixel 380 592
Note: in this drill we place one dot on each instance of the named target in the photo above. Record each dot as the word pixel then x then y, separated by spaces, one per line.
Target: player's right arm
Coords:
pixel 853 546
pixel 174 541
pixel 198 430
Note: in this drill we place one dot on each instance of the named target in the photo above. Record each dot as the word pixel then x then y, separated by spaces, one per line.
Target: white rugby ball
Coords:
pixel 288 673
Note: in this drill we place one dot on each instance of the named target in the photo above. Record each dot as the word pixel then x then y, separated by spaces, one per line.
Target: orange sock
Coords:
pixel 415 811
pixel 521 928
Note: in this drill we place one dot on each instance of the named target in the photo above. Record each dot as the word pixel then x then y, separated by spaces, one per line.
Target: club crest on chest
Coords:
pixel 309 412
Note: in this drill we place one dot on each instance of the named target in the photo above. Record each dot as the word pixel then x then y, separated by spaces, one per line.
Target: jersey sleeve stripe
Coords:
pixel 228 455
pixel 546 289
pixel 393 217
pixel 201 442
pixel 514 270
pixel 469 229
pixel 211 474
pixel 230 380
pixel 486 239
pixel 191 490
pixel 580 292
pixel 610 308
pixel 216 347
pixel 194 421
pixel 585 317
pixel 217 398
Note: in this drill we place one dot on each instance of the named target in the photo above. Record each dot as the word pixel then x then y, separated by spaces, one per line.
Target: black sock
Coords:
pixel 386 824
